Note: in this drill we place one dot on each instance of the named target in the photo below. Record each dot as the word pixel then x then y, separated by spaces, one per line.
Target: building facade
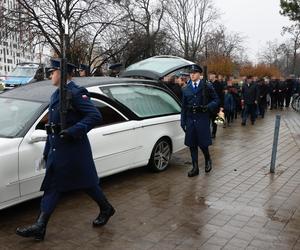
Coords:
pixel 14 46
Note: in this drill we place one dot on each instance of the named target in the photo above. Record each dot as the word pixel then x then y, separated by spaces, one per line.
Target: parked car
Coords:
pixel 141 127
pixel 1 86
pixel 24 73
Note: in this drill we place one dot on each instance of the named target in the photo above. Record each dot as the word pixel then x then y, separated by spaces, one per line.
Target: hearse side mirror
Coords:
pixel 38 135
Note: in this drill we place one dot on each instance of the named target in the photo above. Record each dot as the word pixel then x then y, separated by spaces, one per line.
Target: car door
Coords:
pixel 158 115
pixel 113 144
pixel 157 67
pixel 30 154
pixel 9 180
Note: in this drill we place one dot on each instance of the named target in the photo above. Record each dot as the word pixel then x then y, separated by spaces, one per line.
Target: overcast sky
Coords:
pixel 258 20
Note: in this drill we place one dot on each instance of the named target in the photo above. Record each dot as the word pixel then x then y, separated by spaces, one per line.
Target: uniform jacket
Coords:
pixel 197 125
pixel 70 163
pixel 250 93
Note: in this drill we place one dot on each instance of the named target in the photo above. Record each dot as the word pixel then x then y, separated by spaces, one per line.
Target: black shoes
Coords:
pixel 243 123
pixel 194 171
pixel 104 216
pixel 208 166
pixel 37 230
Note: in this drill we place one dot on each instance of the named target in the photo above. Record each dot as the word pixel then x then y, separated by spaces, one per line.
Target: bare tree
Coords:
pixel 271 53
pixel 145 17
pixel 294 31
pixel 221 42
pixel 46 19
pixel 285 50
pixel 188 21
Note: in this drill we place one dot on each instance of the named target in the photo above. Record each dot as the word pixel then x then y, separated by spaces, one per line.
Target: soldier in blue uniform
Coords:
pixel 199 99
pixel 84 70
pixel 68 155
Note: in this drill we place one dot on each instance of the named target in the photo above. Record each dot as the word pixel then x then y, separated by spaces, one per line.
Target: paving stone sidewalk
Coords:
pixel 239 205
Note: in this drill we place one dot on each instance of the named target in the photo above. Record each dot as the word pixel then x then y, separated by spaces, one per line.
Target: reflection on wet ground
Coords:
pixel 239 205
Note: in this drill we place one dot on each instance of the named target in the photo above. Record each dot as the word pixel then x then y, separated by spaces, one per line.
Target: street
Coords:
pixel 239 205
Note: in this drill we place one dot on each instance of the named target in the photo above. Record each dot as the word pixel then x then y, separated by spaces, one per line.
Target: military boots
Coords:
pixel 194 171
pixel 104 216
pixel 37 230
pixel 208 165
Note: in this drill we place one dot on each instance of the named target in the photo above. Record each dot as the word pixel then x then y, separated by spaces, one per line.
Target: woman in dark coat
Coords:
pixel 68 156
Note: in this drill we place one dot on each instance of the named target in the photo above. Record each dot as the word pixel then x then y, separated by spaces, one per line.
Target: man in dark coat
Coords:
pixel 68 155
pixel 262 101
pixel 273 88
pixel 219 89
pixel 174 87
pixel 250 99
pixel 199 99
pixel 289 90
pixel 281 92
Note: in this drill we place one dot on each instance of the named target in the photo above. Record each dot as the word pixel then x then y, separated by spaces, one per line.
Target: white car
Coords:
pixel 141 127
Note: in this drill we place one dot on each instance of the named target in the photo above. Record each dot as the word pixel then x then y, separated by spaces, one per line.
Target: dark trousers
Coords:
pixel 232 115
pixel 194 154
pixel 51 197
pixel 280 100
pixel 229 116
pixel 287 100
pixel 274 101
pixel 262 109
pixel 249 109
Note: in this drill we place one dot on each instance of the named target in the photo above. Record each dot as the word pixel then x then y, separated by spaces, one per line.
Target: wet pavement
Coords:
pixel 239 205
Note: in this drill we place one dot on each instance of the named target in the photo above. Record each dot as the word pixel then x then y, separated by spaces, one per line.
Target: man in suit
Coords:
pixel 262 100
pixel 250 98
pixel 199 99
pixel 68 155
pixel 219 89
pixel 273 88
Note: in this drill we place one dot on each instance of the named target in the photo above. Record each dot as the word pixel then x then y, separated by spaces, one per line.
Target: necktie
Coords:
pixel 195 85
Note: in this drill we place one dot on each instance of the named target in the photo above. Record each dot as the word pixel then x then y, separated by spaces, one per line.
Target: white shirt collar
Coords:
pixel 197 83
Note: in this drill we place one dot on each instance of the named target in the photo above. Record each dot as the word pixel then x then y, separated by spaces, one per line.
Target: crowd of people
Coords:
pixel 247 97
pixel 201 102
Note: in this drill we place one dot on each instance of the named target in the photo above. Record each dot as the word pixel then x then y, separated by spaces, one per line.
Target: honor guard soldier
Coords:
pixel 199 99
pixel 115 69
pixel 68 154
pixel 84 70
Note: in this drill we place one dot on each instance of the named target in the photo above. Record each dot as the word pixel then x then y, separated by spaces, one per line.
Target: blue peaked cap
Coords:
pixel 55 65
pixel 195 68
pixel 84 67
pixel 182 74
pixel 115 66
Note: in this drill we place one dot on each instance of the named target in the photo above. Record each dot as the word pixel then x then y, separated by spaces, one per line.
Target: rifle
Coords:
pixel 205 92
pixel 205 78
pixel 63 93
